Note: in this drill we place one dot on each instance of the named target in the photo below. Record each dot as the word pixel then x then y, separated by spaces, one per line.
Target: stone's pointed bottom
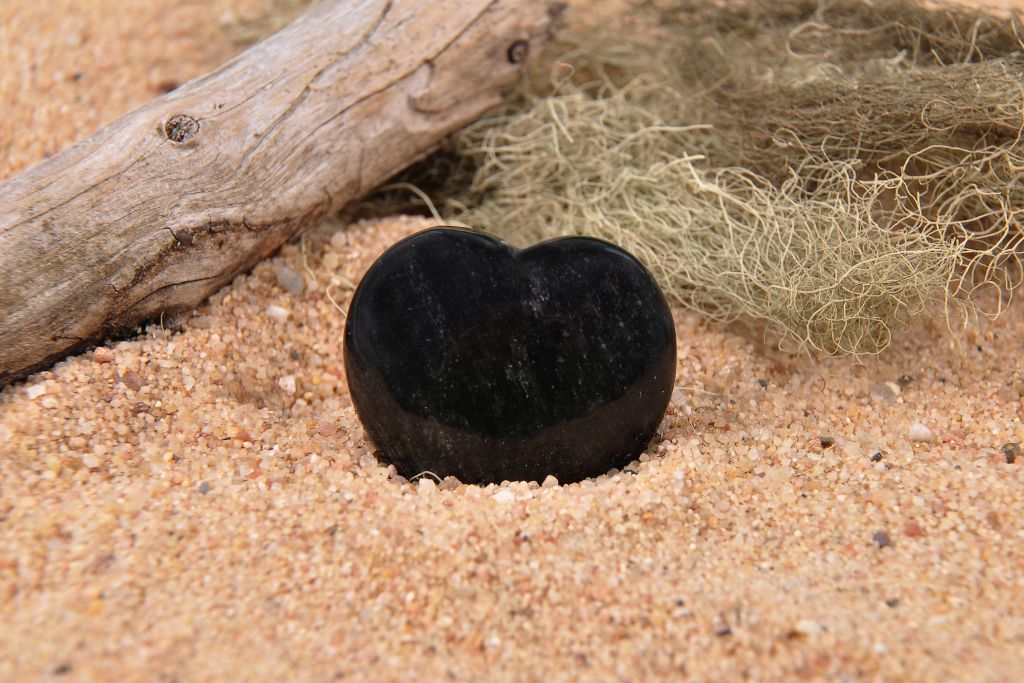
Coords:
pixel 468 357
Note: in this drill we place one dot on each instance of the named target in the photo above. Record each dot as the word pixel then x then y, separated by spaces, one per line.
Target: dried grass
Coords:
pixel 830 170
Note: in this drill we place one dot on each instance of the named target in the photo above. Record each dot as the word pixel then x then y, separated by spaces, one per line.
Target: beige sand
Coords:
pixel 203 505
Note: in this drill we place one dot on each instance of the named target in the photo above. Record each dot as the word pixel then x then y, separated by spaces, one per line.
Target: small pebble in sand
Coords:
pixel 885 392
pixel 1010 451
pixel 278 313
pixel 877 456
pixel 287 382
pixel 550 482
pixel 881 539
pixel 912 530
pixel 807 628
pixel 289 280
pixel 920 432
pixel 504 496
pixel 892 602
pixel 826 441
pixel 339 240
pixel 103 355
pixel 905 380
pixel 34 391
pixel 331 260
pixel 203 488
pixel 132 380
pixel 992 517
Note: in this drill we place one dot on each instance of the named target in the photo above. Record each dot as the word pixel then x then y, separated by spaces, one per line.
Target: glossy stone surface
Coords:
pixel 468 357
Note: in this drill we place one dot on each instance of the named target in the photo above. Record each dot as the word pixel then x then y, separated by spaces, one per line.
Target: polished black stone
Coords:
pixel 468 357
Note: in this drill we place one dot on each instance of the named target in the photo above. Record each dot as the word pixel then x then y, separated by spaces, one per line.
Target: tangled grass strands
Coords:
pixel 829 170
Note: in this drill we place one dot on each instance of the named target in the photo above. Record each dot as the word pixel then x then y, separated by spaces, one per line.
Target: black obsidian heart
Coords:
pixel 468 357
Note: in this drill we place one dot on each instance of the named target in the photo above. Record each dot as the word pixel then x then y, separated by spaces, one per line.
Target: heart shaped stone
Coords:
pixel 468 357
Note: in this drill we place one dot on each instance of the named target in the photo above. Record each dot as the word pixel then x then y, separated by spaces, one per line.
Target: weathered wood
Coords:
pixel 161 208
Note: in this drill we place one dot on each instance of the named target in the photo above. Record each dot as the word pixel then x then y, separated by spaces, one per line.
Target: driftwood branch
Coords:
pixel 161 208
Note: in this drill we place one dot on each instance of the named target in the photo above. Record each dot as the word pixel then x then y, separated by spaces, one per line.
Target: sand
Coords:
pixel 200 503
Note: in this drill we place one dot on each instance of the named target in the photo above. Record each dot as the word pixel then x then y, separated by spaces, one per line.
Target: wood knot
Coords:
pixel 180 128
pixel 518 52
